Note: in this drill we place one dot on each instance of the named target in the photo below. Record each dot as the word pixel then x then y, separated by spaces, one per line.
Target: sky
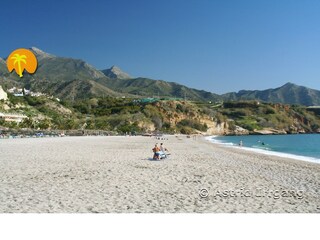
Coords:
pixel 214 45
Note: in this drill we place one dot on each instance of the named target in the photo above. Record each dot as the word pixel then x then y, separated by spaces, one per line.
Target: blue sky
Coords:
pixel 218 46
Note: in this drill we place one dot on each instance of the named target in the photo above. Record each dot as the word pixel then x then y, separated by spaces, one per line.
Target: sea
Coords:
pixel 304 147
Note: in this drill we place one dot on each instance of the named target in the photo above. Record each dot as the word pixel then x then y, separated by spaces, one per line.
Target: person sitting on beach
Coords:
pixel 156 151
pixel 163 149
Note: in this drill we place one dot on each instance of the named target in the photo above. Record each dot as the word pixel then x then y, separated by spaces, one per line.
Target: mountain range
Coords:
pixel 289 94
pixel 70 78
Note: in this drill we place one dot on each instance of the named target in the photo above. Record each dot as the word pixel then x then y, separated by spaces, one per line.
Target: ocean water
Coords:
pixel 299 146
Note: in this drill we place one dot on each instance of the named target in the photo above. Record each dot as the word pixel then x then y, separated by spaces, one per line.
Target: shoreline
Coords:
pixel 250 151
pixel 263 151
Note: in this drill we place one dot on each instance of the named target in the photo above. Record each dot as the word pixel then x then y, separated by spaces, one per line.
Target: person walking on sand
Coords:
pixel 156 151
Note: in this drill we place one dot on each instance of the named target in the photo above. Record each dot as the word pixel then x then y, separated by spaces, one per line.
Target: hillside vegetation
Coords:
pixel 279 118
pixel 126 115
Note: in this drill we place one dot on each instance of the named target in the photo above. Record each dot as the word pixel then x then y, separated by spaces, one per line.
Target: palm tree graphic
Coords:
pixel 18 59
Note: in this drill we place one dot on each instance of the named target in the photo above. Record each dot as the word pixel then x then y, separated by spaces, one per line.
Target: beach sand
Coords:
pixel 116 174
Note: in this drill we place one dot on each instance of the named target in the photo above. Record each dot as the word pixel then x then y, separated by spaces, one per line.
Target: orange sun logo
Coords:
pixel 22 59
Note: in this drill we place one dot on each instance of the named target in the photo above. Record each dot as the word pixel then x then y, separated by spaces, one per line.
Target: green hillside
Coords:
pixel 278 118
pixel 148 87
pixel 123 115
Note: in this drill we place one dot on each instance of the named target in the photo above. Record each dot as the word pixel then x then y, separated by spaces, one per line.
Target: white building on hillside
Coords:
pixel 20 92
pixel 3 94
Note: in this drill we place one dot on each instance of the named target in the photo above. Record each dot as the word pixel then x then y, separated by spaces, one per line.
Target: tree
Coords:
pixel 45 124
pixel 27 123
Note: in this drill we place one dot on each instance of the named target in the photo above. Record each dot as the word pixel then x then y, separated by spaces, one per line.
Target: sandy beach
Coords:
pixel 117 174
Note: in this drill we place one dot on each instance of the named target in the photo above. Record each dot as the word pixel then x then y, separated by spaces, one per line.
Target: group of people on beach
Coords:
pixel 159 151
